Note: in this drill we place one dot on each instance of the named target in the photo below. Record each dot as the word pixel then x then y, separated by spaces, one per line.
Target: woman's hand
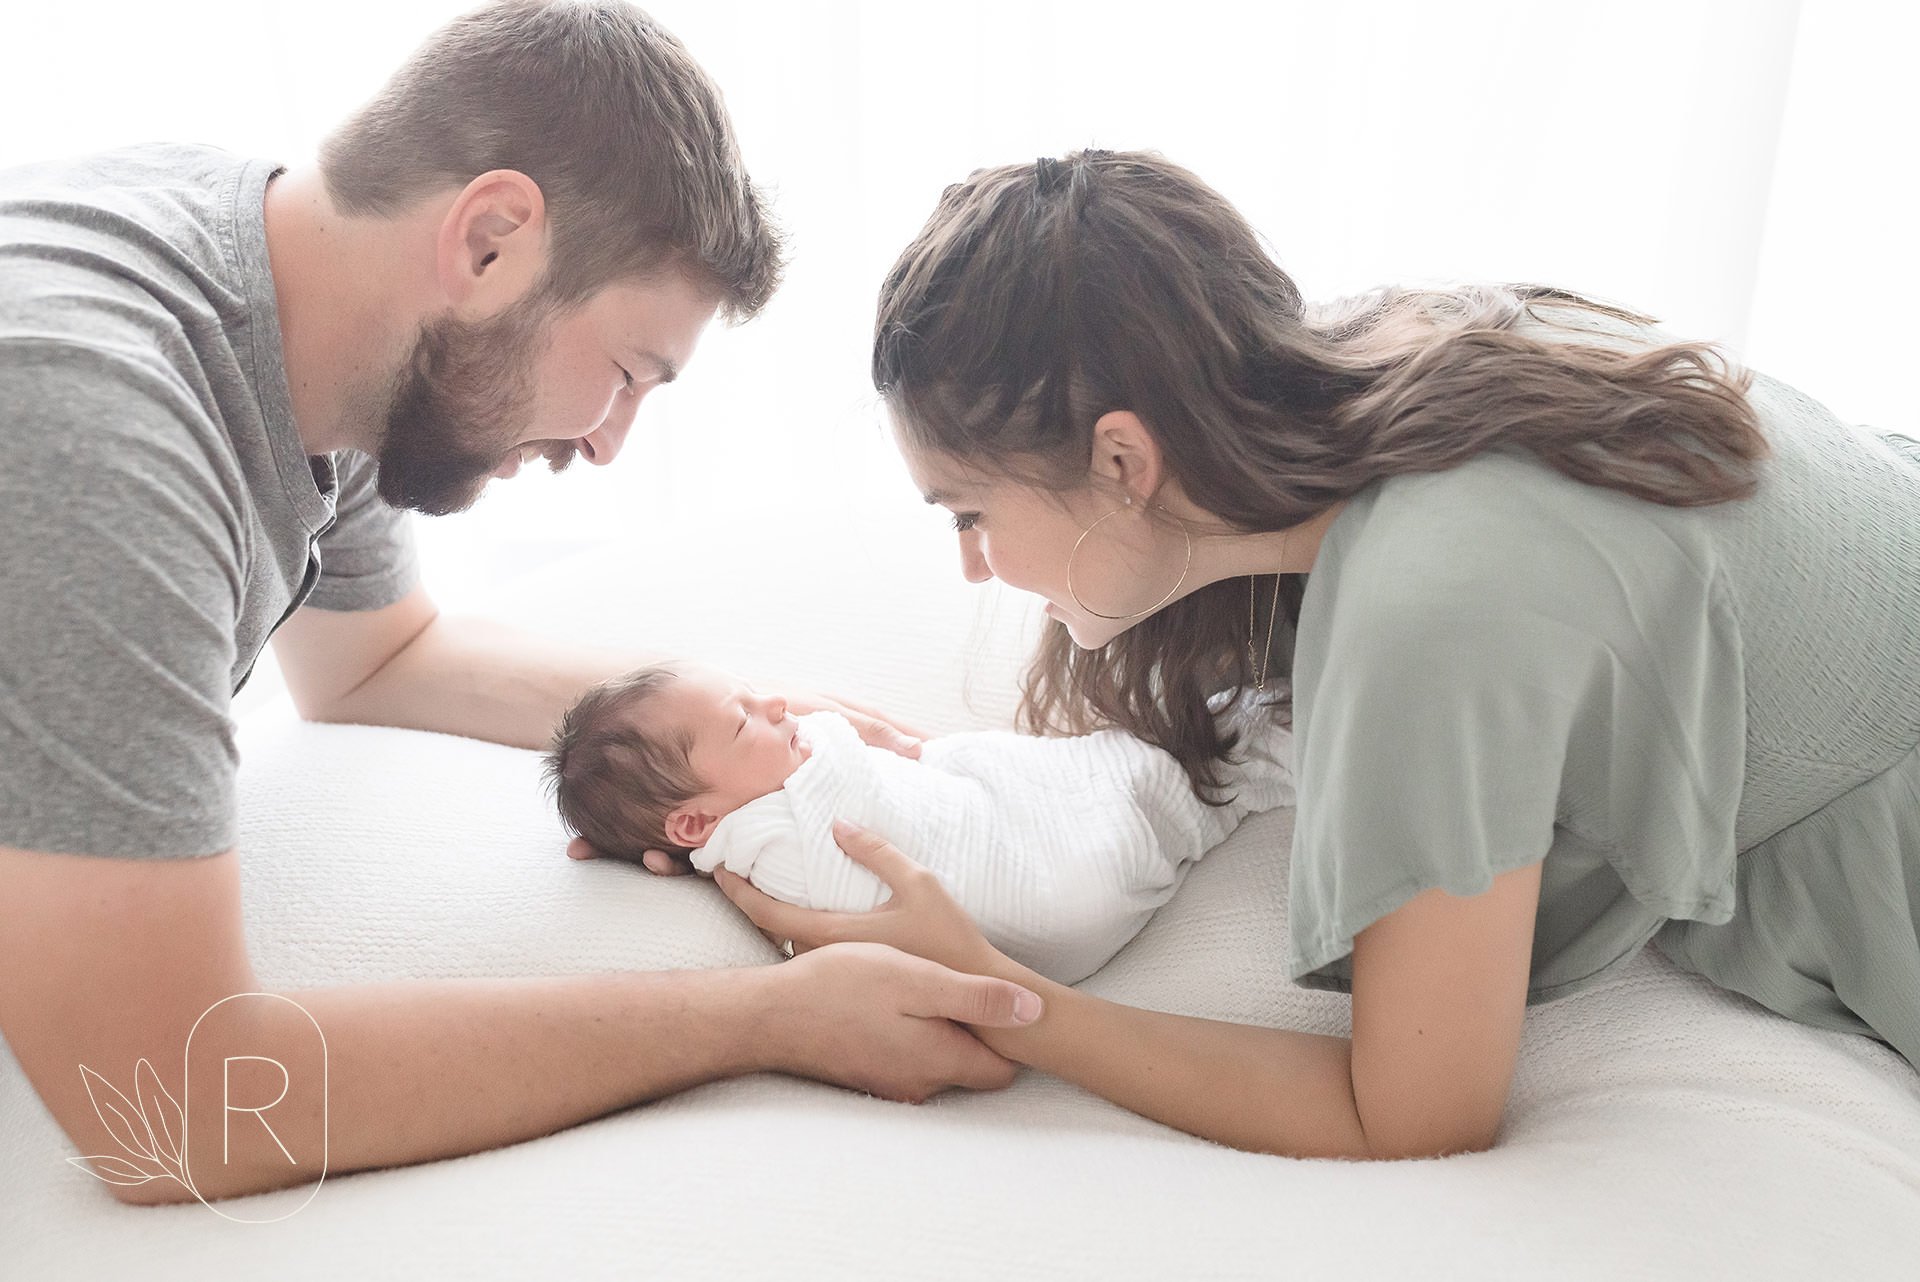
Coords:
pixel 873 728
pixel 874 1019
pixel 921 917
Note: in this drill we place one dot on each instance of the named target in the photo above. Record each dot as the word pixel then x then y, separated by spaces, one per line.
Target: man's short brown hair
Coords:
pixel 627 137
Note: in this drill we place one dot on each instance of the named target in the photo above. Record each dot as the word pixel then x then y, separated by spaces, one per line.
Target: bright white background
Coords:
pixel 1740 168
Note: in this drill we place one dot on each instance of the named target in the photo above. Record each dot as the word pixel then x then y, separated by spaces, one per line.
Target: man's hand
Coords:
pixel 874 1019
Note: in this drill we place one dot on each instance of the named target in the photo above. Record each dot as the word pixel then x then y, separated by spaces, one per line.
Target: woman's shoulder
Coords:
pixel 1497 562
pixel 1502 519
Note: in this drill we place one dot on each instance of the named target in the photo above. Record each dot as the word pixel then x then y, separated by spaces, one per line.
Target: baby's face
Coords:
pixel 745 743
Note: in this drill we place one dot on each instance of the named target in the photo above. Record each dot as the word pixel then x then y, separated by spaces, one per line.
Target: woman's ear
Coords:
pixel 690 827
pixel 1125 455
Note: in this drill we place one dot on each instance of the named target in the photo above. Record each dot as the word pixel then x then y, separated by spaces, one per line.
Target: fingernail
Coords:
pixel 1026 1007
pixel 841 828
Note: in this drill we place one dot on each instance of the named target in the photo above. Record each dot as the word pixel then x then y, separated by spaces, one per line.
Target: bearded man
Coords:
pixel 221 382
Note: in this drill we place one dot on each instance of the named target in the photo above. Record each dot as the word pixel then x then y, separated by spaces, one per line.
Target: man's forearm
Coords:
pixel 422 1070
pixel 481 679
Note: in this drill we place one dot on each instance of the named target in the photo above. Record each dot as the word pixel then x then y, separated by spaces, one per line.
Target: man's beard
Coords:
pixel 459 408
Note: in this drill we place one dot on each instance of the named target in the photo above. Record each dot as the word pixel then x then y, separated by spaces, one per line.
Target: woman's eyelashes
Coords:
pixel 964 521
pixel 624 374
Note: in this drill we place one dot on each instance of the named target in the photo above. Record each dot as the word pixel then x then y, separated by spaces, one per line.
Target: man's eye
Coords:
pixel 964 521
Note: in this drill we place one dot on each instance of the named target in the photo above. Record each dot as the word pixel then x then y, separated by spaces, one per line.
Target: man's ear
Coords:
pixel 492 249
pixel 690 826
pixel 1125 455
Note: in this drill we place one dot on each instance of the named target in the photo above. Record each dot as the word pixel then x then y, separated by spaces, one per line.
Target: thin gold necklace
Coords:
pixel 1266 656
pixel 1259 664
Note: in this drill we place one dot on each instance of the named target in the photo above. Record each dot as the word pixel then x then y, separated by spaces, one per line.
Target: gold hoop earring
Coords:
pixel 1150 609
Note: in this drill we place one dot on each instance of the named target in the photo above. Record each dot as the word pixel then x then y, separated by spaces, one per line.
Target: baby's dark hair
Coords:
pixel 616 779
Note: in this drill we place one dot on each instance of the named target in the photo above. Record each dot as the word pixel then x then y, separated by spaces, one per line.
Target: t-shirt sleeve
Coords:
pixel 119 588
pixel 368 558
pixel 1487 682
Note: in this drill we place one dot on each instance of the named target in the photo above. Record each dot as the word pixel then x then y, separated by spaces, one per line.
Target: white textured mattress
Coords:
pixel 1658 1127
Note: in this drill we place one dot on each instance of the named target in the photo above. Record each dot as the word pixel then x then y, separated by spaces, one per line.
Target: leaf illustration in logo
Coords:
pixel 114 1170
pixel 165 1119
pixel 119 1115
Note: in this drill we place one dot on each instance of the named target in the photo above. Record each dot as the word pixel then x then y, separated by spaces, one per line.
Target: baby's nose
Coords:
pixel 777 707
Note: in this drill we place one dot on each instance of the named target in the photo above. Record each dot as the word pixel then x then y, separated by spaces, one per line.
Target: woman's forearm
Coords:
pixel 1268 1090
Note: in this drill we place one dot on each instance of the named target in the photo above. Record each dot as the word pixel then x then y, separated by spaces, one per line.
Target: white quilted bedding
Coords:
pixel 1658 1127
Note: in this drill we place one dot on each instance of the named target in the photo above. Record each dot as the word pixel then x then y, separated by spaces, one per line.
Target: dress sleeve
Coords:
pixel 368 558
pixel 1496 674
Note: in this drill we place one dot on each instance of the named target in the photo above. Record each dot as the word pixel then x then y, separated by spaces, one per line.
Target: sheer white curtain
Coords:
pixel 1717 162
pixel 1838 279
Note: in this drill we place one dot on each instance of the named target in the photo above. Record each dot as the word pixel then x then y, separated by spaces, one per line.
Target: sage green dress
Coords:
pixel 1706 720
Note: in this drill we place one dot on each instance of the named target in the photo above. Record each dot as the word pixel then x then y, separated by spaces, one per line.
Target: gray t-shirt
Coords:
pixel 1498 663
pixel 159 517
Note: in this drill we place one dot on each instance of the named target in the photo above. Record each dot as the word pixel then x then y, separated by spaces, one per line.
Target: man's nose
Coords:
pixel 603 443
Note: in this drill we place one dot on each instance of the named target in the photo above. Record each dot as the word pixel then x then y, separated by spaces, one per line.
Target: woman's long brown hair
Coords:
pixel 1040 297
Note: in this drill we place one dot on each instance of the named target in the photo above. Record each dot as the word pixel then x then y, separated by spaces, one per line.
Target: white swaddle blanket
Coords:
pixel 1060 849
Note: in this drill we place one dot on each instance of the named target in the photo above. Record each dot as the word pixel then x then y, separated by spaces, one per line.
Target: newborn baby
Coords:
pixel 1059 848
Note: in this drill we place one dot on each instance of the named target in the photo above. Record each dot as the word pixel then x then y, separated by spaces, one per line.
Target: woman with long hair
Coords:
pixel 1591 639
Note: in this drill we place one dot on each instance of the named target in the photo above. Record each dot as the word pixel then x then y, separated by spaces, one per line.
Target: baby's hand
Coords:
pixel 664 864
pixel 659 862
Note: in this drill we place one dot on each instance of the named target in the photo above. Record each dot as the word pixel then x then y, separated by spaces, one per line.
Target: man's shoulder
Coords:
pixel 117 179
pixel 94 432
pixel 140 237
pixel 115 384
pixel 114 292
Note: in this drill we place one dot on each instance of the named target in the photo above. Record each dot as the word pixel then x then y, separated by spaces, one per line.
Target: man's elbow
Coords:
pixel 328 714
pixel 160 1191
pixel 310 709
pixel 1398 1143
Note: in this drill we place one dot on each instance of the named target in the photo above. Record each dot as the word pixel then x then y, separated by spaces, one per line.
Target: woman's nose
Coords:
pixel 972 564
